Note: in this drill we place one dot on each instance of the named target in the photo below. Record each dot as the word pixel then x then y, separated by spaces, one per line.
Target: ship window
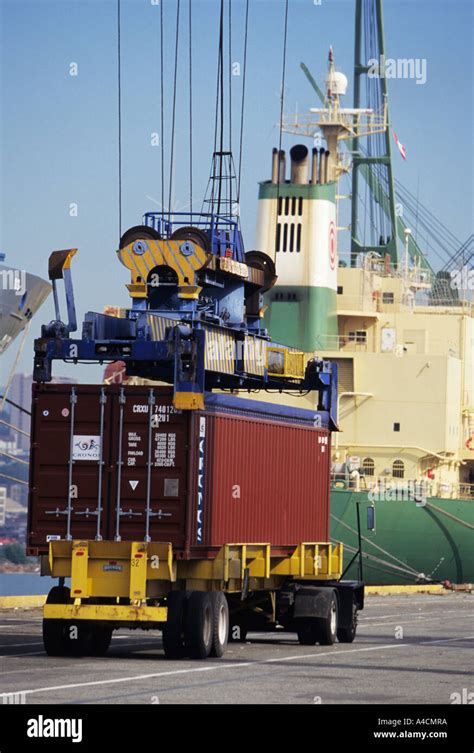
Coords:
pixel 278 236
pixel 293 206
pixel 398 469
pixel 300 206
pixel 292 237
pixel 287 206
pixel 359 336
pixel 298 239
pixel 368 466
pixel 285 236
pixel 388 297
pixel 280 204
pixel 396 426
pixel 340 290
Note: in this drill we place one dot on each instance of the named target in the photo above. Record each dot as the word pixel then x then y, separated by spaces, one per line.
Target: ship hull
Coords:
pixel 410 544
pixel 21 295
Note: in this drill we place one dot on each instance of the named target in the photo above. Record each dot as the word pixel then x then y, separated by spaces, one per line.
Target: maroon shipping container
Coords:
pixel 123 463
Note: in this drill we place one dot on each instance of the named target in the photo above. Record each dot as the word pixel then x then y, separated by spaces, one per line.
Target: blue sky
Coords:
pixel 58 134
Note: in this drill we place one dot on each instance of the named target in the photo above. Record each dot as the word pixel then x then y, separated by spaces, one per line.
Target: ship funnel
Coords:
pixel 326 167
pixel 314 166
pixel 282 166
pixel 322 163
pixel 275 165
pixel 299 164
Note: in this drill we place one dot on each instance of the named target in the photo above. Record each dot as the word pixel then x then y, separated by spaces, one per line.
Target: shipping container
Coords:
pixel 121 463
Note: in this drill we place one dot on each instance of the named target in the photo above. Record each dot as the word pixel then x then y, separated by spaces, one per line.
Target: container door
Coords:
pixel 69 457
pixel 149 468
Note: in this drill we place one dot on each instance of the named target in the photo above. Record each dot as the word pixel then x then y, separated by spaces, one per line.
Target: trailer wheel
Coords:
pixel 59 640
pixel 173 630
pixel 53 638
pixel 347 634
pixel 199 625
pixel 59 595
pixel 327 626
pixel 308 633
pixel 220 614
pixel 98 640
pixel 54 631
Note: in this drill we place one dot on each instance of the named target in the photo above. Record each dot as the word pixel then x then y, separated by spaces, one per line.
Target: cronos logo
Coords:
pixel 86 447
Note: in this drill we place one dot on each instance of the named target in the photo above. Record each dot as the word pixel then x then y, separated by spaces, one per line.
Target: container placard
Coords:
pixel 86 447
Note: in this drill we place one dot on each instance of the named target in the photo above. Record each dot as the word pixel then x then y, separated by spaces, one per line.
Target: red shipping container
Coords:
pixel 122 462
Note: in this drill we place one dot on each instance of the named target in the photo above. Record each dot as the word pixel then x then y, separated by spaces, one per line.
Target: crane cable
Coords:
pixel 190 111
pixel 229 195
pixel 13 478
pixel 221 87
pixel 119 93
pixel 12 457
pixel 162 135
pixel 173 120
pixel 5 399
pixel 282 102
pixel 243 99
pixel 15 428
pixel 405 565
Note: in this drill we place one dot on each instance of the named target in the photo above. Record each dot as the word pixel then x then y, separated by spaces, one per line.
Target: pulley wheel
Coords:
pixel 265 263
pixel 193 234
pixel 137 233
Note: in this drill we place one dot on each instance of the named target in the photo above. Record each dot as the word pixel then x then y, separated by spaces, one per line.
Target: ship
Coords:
pixel 21 295
pixel 400 332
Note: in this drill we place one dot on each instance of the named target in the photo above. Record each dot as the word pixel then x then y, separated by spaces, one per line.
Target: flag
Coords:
pixel 401 148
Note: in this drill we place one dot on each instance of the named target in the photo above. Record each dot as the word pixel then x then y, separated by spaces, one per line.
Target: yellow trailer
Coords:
pixel 198 604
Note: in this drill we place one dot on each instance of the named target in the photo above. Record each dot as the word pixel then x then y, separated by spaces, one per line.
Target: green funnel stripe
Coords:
pixel 325 191
pixel 302 316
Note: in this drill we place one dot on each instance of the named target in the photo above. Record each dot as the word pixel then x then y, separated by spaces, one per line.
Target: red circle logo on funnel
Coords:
pixel 332 245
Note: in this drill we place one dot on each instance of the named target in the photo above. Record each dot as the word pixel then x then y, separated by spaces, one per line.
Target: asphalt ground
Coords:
pixel 409 649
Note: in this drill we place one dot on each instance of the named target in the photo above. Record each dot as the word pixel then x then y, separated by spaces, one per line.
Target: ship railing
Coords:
pixel 222 230
pixel 361 341
pixel 342 342
pixel 390 487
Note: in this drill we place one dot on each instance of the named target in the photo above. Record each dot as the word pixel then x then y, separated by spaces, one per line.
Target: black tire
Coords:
pixel 62 638
pixel 173 631
pixel 59 595
pixel 327 626
pixel 53 637
pixel 199 625
pixel 98 640
pixel 137 233
pixel 54 631
pixel 193 234
pixel 308 633
pixel 347 634
pixel 220 623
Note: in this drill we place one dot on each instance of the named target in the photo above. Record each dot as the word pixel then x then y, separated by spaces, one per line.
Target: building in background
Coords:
pixel 3 505
pixel 20 393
